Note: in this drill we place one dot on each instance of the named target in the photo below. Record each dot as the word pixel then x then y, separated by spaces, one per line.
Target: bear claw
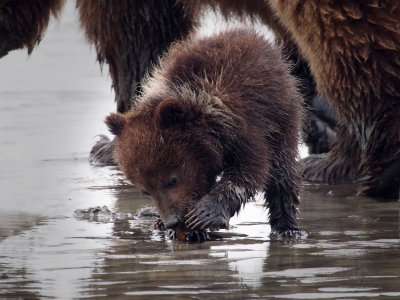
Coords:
pixel 289 233
pixel 205 220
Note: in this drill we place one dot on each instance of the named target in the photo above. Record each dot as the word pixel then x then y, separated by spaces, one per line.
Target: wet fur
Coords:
pixel 353 51
pixel 351 47
pixel 130 48
pixel 132 35
pixel 234 104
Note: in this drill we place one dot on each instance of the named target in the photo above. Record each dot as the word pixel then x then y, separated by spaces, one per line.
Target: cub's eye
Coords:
pixel 171 182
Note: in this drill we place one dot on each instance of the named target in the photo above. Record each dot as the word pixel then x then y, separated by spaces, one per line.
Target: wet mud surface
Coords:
pixel 351 252
pixel 51 107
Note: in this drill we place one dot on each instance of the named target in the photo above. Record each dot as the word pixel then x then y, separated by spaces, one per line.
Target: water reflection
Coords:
pixel 346 255
pixel 245 260
pixel 351 251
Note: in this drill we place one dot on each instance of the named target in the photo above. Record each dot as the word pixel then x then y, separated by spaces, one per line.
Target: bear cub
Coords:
pixel 218 120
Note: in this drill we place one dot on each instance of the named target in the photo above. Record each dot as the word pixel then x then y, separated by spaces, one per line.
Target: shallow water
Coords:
pixel 51 107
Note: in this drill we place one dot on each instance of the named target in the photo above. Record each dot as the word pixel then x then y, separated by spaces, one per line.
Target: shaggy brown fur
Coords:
pixel 129 35
pixel 353 48
pixel 321 120
pixel 223 105
pixel 23 23
pixel 130 43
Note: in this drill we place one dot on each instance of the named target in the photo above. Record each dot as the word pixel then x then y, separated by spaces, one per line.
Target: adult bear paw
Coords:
pixel 102 152
pixel 288 233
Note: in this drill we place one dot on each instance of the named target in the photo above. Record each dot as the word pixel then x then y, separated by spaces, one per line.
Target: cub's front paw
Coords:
pixel 208 214
pixel 102 152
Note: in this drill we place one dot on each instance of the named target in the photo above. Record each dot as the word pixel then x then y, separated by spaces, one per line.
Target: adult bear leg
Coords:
pixel 383 183
pixel 375 165
pixel 129 36
pixel 340 165
pixel 380 169
pixel 320 119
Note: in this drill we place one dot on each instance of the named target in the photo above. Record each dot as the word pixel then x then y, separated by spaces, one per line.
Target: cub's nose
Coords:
pixel 171 223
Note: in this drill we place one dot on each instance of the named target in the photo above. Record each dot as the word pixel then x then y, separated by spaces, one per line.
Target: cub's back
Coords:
pixel 227 58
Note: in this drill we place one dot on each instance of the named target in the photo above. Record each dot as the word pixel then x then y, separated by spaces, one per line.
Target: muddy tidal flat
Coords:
pixel 52 105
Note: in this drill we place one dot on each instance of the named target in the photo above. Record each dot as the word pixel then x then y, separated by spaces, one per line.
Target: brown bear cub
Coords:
pixel 217 121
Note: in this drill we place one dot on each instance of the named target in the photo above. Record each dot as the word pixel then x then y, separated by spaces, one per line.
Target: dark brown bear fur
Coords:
pixel 23 23
pixel 222 105
pixel 353 48
pixel 130 35
pixel 321 120
pixel 130 47
pixel 353 51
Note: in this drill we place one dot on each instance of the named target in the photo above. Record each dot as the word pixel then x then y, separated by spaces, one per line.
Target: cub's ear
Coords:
pixel 169 112
pixel 115 123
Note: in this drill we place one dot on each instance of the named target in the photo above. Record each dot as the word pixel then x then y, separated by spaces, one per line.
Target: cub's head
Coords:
pixel 166 149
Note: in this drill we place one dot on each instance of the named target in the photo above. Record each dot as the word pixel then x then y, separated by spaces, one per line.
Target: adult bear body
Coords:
pixel 353 49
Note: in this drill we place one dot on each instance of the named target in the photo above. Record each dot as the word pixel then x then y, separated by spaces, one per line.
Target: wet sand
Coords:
pixel 52 106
